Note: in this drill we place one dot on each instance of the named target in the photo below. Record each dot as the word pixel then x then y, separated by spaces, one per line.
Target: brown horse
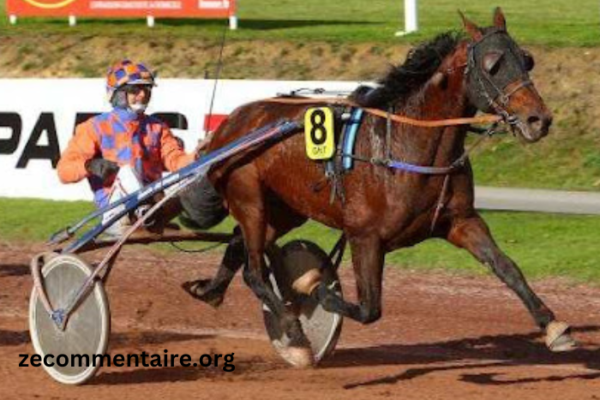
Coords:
pixel 271 190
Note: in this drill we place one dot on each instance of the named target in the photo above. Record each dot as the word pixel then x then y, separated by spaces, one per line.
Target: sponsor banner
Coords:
pixel 122 8
pixel 38 117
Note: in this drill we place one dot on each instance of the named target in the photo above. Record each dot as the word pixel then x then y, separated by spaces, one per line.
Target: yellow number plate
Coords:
pixel 319 133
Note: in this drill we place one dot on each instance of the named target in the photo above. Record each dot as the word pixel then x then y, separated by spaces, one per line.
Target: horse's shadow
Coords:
pixel 464 356
pixel 8 270
pixel 473 354
pixel 470 354
pixel 13 338
pixel 184 374
pixel 143 338
pixel 117 340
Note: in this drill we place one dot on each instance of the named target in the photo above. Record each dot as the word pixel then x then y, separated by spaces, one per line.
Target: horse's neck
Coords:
pixel 434 146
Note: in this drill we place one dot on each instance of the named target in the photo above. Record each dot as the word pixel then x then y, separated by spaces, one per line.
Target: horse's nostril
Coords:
pixel 535 123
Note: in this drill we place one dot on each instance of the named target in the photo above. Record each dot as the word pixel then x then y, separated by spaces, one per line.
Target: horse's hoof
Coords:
pixel 299 357
pixel 201 290
pixel 558 337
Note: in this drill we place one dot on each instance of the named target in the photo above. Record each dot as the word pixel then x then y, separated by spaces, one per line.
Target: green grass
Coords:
pixel 36 220
pixel 542 244
pixel 563 160
pixel 549 22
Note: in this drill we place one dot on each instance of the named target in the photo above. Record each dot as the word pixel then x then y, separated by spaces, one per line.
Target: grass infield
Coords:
pixel 547 22
pixel 543 245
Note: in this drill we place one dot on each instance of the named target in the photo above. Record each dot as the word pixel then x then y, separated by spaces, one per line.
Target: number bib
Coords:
pixel 319 133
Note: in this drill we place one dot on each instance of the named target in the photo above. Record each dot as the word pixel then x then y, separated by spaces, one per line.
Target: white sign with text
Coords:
pixel 38 117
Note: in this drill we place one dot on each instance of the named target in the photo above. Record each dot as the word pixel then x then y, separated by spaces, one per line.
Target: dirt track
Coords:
pixel 441 337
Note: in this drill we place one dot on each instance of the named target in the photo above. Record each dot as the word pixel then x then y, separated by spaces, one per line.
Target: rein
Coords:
pixel 396 164
pixel 484 119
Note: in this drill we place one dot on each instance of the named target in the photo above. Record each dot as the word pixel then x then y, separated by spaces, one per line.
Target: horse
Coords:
pixel 270 190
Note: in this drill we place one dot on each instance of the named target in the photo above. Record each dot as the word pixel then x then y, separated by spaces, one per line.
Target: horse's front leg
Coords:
pixel 368 258
pixel 248 206
pixel 474 235
pixel 299 350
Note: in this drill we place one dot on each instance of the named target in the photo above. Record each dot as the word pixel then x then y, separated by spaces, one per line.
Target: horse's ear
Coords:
pixel 470 27
pixel 499 20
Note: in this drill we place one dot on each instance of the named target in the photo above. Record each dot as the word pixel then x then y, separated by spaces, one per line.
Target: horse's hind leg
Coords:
pixel 212 291
pixel 282 219
pixel 368 258
pixel 473 235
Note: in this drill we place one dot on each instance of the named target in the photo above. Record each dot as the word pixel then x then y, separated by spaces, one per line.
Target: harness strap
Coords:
pixel 349 139
pixel 422 169
pixel 446 171
pixel 336 166
pixel 388 134
pixel 393 164
pixel 440 204
pixel 518 86
pixel 401 165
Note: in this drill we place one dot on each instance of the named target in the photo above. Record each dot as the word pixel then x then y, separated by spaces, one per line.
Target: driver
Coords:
pixel 124 149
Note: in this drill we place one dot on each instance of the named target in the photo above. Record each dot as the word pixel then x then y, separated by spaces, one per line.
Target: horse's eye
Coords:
pixel 528 61
pixel 491 62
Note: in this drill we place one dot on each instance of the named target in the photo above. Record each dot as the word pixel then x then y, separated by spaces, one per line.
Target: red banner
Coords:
pixel 122 8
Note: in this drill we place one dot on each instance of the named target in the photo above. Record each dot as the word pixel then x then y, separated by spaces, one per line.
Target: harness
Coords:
pixel 498 101
pixel 342 160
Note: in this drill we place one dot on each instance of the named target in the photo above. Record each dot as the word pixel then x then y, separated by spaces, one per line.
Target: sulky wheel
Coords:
pixel 301 265
pixel 87 330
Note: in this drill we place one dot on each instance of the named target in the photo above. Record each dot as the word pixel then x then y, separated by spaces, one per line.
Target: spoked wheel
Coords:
pixel 300 265
pixel 87 330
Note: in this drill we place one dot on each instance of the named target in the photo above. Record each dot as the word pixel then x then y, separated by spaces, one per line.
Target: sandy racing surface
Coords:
pixel 441 337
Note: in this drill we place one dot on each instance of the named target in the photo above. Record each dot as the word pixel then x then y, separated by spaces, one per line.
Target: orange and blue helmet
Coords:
pixel 127 72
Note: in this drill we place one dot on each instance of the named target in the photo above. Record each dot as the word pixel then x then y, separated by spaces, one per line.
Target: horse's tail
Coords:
pixel 202 205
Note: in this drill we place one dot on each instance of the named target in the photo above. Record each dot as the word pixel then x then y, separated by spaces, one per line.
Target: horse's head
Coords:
pixel 497 78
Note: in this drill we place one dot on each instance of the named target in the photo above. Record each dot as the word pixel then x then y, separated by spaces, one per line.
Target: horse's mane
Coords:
pixel 402 80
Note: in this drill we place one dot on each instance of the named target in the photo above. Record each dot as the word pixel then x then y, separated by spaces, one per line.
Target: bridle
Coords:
pixel 499 99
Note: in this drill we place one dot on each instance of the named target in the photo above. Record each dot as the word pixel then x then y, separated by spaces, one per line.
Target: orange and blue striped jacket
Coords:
pixel 141 141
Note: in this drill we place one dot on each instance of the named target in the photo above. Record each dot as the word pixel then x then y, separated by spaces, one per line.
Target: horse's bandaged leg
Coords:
pixel 300 269
pixel 558 338
pixel 307 282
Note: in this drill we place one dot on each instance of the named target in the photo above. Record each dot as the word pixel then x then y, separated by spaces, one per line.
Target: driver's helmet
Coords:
pixel 127 72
